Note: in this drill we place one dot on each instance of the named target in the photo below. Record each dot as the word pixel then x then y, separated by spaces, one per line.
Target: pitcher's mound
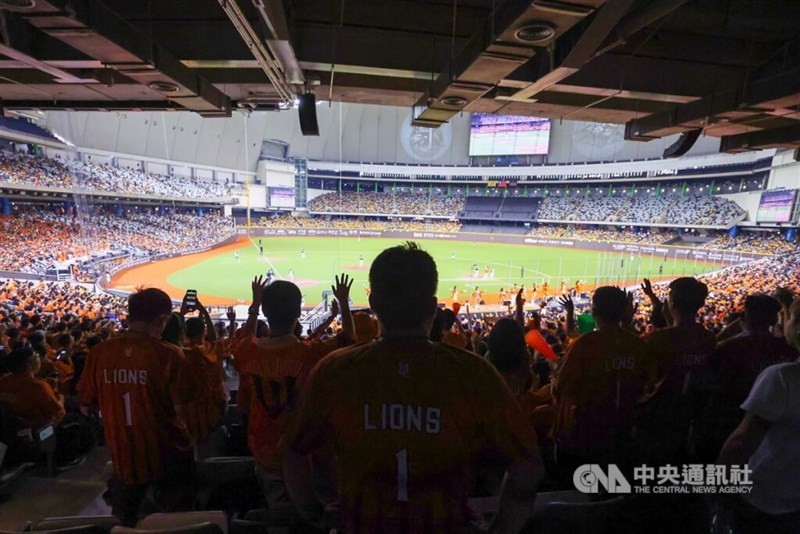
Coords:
pixel 355 267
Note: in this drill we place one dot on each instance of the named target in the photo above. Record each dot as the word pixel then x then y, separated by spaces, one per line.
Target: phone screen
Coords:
pixel 191 299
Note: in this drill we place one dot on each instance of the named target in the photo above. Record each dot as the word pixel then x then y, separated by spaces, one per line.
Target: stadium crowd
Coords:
pixel 668 209
pixel 655 377
pixel 708 210
pixel 757 242
pixel 37 239
pixel 372 203
pixel 652 237
pixel 43 171
pixel 396 224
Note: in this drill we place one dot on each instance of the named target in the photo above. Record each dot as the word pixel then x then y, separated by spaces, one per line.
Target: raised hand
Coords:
pixel 334 308
pixel 519 302
pixel 257 285
pixel 231 314
pixel 341 289
pixel 567 303
pixel 647 288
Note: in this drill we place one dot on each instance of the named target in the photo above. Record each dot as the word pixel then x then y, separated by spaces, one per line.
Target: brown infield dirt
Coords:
pixel 155 274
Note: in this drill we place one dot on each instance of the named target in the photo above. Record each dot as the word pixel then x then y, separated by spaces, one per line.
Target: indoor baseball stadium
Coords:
pixel 399 266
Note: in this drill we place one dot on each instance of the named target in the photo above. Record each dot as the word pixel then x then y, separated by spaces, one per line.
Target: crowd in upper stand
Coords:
pixel 397 225
pixel 709 210
pixel 758 242
pixel 653 237
pixel 36 239
pixel 43 171
pixel 406 203
pixel 665 209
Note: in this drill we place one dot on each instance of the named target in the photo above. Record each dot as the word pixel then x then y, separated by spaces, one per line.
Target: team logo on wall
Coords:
pixel 596 140
pixel 425 144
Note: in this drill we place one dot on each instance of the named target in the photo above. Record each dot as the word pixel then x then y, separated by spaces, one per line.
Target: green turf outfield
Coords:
pixel 224 276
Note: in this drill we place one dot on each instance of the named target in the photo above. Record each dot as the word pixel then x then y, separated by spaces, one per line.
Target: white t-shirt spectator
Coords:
pixel 776 472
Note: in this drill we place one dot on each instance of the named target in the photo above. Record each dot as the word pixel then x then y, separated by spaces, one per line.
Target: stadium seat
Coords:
pixel 25 444
pixel 283 520
pixel 9 479
pixel 166 522
pixel 226 469
pixel 242 526
pixel 103 522
pixel 199 528
pixel 227 483
pixel 79 529
pixel 285 516
pixel 573 512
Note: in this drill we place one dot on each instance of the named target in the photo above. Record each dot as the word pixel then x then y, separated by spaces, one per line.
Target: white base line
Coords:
pixel 272 266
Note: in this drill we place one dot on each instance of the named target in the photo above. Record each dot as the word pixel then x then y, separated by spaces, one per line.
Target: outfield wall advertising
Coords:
pixel 699 254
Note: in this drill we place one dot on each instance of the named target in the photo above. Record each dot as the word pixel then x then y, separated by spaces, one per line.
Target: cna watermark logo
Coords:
pixel 687 478
pixel 592 478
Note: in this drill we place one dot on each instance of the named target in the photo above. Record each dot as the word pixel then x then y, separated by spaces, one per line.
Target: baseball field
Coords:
pixel 222 275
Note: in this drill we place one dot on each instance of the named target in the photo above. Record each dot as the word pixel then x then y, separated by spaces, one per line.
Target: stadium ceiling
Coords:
pixel 729 68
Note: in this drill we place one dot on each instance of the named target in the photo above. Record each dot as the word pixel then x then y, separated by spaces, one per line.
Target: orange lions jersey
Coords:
pixel 683 355
pixel 204 410
pixel 603 376
pixel 408 419
pixel 275 370
pixel 138 381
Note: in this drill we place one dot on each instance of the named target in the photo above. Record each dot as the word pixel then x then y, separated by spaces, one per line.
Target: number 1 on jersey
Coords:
pixel 402 475
pixel 128 414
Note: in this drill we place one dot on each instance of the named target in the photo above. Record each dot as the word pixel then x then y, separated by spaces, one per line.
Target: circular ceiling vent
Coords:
pixel 164 87
pixel 17 5
pixel 535 33
pixel 454 101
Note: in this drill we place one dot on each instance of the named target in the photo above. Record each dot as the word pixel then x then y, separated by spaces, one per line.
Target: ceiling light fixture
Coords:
pixel 17 5
pixel 535 33
pixel 164 87
pixel 454 101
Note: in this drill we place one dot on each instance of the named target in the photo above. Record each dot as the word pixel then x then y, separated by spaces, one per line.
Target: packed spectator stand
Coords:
pixel 43 171
pixel 37 239
pixel 232 425
pixel 668 209
pixel 371 203
pixel 43 316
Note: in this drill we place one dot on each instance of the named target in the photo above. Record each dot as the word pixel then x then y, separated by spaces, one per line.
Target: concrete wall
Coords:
pixel 349 132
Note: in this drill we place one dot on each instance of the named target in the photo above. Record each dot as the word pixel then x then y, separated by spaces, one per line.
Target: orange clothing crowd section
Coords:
pixel 37 239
